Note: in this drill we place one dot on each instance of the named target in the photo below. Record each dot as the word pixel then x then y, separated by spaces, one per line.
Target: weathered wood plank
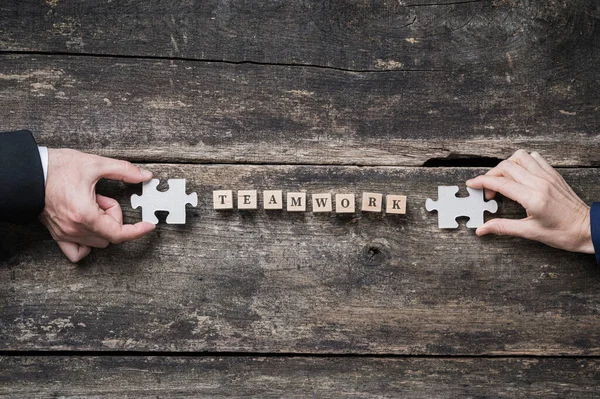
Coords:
pixel 270 281
pixel 156 110
pixel 259 377
pixel 358 34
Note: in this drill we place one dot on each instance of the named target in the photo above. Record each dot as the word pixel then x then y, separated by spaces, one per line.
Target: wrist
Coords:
pixel 594 217
pixel 586 245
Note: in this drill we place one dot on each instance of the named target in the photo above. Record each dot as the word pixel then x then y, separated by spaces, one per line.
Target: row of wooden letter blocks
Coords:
pixel 297 201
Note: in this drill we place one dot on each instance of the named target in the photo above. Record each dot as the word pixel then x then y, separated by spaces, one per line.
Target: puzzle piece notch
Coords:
pixel 173 201
pixel 449 207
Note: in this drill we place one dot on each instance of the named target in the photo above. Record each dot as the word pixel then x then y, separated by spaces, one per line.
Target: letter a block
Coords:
pixel 344 203
pixel 273 199
pixel 247 199
pixel 222 199
pixel 371 202
pixel 296 202
pixel 321 203
pixel 395 204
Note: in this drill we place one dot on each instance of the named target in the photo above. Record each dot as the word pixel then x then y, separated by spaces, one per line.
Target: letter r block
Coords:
pixel 222 199
pixel 371 202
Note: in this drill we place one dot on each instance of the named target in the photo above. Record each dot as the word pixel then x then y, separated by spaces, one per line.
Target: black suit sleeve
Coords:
pixel 22 188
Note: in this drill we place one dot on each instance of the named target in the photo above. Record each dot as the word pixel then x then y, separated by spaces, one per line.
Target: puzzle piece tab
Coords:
pixel 449 207
pixel 172 201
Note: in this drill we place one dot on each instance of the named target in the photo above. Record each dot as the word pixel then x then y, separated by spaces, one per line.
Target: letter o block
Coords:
pixel 344 203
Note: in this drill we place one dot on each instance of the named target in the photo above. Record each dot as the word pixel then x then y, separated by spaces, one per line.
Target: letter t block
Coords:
pixel 223 199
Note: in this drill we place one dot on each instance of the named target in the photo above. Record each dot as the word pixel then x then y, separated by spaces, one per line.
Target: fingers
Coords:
pixel 107 227
pixel 507 227
pixel 511 170
pixel 503 185
pixel 75 252
pixel 528 162
pixel 111 207
pixel 115 169
pixel 545 165
pixel 521 167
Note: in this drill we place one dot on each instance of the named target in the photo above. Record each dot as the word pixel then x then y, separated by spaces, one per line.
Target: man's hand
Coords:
pixel 78 218
pixel 556 216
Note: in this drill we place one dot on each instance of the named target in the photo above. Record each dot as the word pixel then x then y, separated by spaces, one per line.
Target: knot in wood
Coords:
pixel 374 254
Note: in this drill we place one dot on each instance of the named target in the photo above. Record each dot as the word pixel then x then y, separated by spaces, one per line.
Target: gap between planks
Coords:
pixel 213 61
pixel 62 353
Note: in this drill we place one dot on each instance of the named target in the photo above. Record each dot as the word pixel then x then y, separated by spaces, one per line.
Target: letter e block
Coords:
pixel 222 199
pixel 371 202
pixel 344 203
pixel 273 199
pixel 395 204
pixel 296 202
pixel 321 203
pixel 247 199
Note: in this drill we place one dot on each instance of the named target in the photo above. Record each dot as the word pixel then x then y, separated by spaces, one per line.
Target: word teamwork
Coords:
pixel 298 201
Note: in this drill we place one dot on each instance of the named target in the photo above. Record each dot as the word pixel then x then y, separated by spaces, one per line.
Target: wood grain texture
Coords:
pixel 259 377
pixel 182 111
pixel 356 35
pixel 274 281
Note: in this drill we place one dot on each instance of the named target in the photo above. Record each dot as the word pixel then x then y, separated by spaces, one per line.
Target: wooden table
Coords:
pixel 342 96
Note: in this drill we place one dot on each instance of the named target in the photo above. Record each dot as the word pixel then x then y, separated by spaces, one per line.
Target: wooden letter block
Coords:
pixel 371 202
pixel 247 199
pixel 321 203
pixel 273 199
pixel 344 203
pixel 223 199
pixel 296 202
pixel 395 204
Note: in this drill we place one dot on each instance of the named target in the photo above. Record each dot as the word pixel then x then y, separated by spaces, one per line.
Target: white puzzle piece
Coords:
pixel 449 207
pixel 172 201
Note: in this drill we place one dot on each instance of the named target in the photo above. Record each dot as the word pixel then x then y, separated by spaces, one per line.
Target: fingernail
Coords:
pixel 146 173
pixel 469 182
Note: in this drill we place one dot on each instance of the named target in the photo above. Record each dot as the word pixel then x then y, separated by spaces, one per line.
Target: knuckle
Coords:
pixel 520 153
pixel 499 229
pixel 78 217
pixel 507 165
pixel 503 164
pixel 544 186
pixel 126 166
pixel 538 202
pixel 115 240
pixel 504 182
pixel 69 230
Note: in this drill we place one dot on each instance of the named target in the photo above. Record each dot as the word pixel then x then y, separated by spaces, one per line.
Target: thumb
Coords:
pixel 115 169
pixel 506 227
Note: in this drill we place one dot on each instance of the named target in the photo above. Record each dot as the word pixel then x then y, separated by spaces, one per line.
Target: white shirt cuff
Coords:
pixel 44 158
